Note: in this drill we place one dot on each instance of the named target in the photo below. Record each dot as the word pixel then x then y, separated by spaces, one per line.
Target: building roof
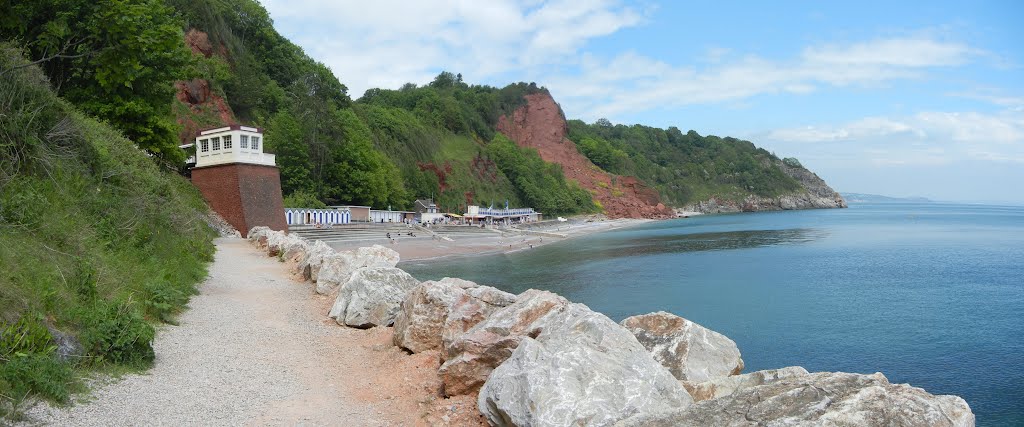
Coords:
pixel 229 128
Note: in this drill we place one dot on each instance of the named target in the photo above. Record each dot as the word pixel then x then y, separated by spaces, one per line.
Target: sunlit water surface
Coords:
pixel 928 294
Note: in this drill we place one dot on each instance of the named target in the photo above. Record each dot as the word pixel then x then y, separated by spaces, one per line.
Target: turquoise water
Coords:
pixel 928 294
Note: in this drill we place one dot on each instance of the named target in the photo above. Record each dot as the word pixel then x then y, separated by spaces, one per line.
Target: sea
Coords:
pixel 930 294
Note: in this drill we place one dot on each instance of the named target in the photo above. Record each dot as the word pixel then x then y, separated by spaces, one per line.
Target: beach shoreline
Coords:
pixel 505 241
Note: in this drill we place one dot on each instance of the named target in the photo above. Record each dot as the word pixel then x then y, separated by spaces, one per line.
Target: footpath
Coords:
pixel 256 348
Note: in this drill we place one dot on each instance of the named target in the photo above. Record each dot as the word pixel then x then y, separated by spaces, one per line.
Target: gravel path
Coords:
pixel 252 349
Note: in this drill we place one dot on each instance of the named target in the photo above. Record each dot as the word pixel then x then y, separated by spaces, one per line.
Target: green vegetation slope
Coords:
pixel 684 168
pixel 95 239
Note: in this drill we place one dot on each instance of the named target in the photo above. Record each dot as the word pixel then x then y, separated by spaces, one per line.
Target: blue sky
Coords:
pixel 894 98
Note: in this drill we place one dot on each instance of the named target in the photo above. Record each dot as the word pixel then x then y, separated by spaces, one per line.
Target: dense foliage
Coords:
pixel 114 59
pixel 437 136
pixel 540 184
pixel 388 149
pixel 94 239
pixel 684 168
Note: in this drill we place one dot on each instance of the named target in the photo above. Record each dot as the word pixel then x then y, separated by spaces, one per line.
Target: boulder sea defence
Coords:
pixel 448 307
pixel 690 351
pixel 538 359
pixel 821 398
pixel 581 368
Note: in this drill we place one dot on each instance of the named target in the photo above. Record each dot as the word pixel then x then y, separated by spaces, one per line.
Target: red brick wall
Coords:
pixel 245 195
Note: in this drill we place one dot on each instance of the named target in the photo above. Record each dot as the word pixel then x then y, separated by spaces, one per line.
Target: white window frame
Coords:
pixel 255 143
pixel 227 142
pixel 204 145
pixel 243 142
pixel 216 143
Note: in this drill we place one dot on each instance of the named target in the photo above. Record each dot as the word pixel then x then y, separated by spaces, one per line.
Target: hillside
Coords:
pixel 95 239
pixel 703 173
pixel 390 147
pixel 215 62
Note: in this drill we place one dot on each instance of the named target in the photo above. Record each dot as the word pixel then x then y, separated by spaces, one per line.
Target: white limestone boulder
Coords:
pixel 582 368
pixel 293 248
pixel 275 242
pixel 309 266
pixel 690 351
pixel 425 313
pixel 472 308
pixel 822 398
pixel 256 233
pixel 470 357
pixel 336 269
pixel 372 297
pixel 724 386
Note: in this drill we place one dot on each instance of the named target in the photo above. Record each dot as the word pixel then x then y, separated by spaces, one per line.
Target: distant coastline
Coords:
pixel 876 198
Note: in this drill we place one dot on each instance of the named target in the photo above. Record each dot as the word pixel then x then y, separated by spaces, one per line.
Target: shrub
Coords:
pixel 163 300
pixel 36 374
pixel 26 336
pixel 114 332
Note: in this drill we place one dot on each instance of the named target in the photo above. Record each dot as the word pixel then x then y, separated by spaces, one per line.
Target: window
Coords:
pixel 244 142
pixel 255 143
pixel 216 144
pixel 227 142
pixel 204 145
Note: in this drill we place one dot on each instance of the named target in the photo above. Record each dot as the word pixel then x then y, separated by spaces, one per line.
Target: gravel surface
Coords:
pixel 252 349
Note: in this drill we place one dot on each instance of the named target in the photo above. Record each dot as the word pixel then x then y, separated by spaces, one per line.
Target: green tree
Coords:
pixel 284 138
pixel 115 59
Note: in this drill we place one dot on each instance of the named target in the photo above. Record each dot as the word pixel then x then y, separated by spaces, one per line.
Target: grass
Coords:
pixel 96 242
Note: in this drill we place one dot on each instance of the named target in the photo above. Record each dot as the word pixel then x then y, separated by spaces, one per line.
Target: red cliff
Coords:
pixel 540 125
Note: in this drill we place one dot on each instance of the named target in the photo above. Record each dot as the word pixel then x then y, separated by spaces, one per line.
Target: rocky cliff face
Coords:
pixel 540 125
pixel 816 194
pixel 206 109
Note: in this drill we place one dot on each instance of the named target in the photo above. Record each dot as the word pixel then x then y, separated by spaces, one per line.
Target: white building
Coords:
pixel 502 216
pixel 230 144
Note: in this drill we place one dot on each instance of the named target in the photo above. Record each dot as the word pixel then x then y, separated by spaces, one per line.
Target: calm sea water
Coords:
pixel 929 294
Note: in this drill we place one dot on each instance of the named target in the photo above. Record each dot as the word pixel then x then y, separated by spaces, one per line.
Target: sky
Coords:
pixel 894 98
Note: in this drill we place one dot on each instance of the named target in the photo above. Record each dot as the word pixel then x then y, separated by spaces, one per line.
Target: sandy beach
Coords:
pixel 437 249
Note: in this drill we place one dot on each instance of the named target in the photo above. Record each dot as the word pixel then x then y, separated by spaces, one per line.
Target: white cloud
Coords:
pixel 631 82
pixel 386 43
pixel 929 137
pixel 897 52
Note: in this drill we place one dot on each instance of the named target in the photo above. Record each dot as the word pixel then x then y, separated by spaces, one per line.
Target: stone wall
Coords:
pixel 245 195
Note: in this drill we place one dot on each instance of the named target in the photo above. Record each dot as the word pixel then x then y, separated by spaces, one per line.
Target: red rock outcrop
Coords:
pixel 540 124
pixel 198 97
pixel 199 42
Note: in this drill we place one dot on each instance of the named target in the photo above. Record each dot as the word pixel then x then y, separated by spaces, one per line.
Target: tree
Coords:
pixel 284 138
pixel 115 59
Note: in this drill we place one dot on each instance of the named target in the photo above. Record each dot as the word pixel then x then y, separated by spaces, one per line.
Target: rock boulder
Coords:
pixel 690 351
pixel 336 269
pixel 293 248
pixel 372 297
pixel 475 305
pixel 256 233
pixel 724 386
pixel 581 369
pixel 309 266
pixel 426 309
pixel 822 398
pixel 470 357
